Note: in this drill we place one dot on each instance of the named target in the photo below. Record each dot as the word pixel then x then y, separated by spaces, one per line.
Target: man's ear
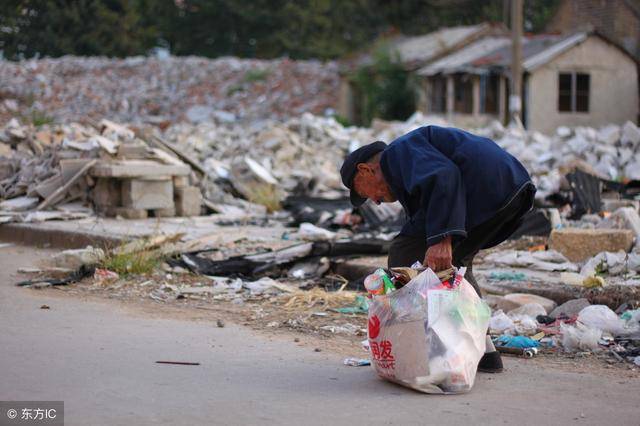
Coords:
pixel 365 168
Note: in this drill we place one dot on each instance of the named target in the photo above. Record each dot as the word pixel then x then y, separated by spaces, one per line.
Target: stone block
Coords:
pixel 147 194
pixel 106 194
pixel 168 212
pixel 579 245
pixel 570 308
pixel 188 201
pixel 180 181
pixel 130 213
pixel 525 298
pixel 133 152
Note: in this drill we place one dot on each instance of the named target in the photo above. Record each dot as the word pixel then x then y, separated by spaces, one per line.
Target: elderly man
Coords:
pixel 462 193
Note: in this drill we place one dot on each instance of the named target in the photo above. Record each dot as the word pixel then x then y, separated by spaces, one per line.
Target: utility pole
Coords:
pixel 515 100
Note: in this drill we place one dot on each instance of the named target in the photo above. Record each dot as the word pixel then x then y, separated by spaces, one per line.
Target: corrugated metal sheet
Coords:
pixel 428 46
pixel 467 59
pixel 495 53
pixel 534 61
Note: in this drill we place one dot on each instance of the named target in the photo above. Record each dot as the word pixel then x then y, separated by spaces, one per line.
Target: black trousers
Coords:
pixel 405 250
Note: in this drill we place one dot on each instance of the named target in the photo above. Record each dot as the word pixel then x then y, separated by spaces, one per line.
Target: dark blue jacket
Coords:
pixel 449 180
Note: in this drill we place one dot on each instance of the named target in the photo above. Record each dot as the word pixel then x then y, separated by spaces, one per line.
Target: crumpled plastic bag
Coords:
pixel 500 323
pixel 601 317
pixel 429 335
pixel 579 337
pixel 632 321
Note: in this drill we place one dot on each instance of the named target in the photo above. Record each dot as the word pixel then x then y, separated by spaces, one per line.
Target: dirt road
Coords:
pixel 99 357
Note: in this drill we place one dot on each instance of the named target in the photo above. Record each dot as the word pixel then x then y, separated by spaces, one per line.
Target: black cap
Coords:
pixel 350 167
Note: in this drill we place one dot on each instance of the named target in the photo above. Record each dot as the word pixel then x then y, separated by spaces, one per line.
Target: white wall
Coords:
pixel 613 96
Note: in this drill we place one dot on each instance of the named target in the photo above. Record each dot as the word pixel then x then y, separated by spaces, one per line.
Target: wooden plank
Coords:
pixel 60 191
pixel 183 156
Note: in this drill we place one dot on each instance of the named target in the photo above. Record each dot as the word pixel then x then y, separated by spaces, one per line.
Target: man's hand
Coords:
pixel 439 256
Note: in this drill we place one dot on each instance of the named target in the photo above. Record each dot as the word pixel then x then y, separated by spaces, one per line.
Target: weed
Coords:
pixel 137 263
pixel 265 195
pixel 39 118
pixel 255 75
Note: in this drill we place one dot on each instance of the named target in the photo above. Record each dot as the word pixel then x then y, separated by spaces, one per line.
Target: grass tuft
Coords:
pixel 254 75
pixel 265 195
pixel 138 263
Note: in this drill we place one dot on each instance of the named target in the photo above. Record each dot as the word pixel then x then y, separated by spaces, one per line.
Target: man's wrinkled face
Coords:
pixel 369 183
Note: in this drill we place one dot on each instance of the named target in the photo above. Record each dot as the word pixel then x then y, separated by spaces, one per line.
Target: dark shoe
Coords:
pixel 491 362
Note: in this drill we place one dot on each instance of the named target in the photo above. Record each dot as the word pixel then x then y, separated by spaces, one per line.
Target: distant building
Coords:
pixel 582 79
pixel 618 20
pixel 413 52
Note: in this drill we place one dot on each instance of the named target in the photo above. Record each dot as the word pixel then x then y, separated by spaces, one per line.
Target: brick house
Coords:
pixel 618 20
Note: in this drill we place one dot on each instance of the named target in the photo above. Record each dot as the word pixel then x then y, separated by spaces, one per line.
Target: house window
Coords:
pixel 573 92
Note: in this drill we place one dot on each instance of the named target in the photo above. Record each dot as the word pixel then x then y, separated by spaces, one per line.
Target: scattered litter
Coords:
pixel 602 318
pixel 516 342
pixel 104 275
pixel 177 362
pixel 507 276
pixel 356 362
pixel 579 337
pixel 500 323
pixel 75 258
pixel 361 306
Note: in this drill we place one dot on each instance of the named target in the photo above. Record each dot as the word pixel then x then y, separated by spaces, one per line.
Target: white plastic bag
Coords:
pixel 601 318
pixel 429 336
pixel 579 337
pixel 500 323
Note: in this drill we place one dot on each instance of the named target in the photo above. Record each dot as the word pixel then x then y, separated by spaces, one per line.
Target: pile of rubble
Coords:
pixel 67 167
pixel 301 155
pixel 166 90
pixel 611 152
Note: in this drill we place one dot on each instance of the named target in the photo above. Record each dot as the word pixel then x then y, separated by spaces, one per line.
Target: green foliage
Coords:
pixel 323 29
pixel 254 75
pixel 344 121
pixel 73 27
pixel 38 118
pixel 387 90
pixel 138 263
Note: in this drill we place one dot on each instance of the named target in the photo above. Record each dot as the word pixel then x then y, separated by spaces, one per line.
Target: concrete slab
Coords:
pixel 137 168
pixel 100 231
pixel 144 194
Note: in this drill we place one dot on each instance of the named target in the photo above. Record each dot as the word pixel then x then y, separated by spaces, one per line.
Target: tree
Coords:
pixel 386 89
pixel 73 27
